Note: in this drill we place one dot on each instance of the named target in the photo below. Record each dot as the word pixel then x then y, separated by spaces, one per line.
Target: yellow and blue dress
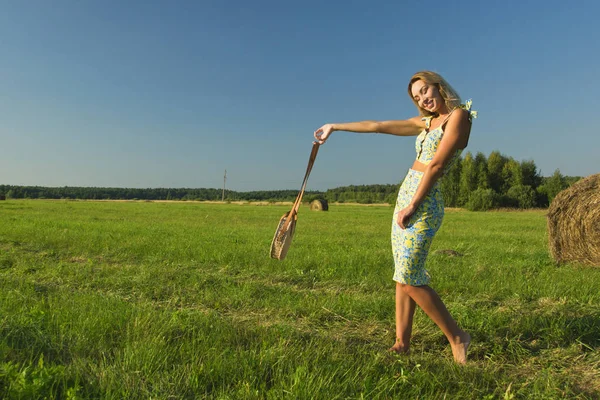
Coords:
pixel 410 246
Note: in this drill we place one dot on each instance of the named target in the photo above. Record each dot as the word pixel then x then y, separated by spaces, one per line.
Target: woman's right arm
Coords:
pixel 406 127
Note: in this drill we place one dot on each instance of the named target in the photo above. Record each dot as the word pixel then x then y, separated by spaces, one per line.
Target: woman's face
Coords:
pixel 427 96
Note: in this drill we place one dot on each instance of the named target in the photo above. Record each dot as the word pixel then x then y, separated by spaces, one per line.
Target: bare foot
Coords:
pixel 399 348
pixel 460 348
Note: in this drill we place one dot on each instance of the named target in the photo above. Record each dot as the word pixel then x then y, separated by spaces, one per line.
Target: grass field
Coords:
pixel 128 300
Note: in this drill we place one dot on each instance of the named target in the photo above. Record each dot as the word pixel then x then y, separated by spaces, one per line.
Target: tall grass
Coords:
pixel 118 300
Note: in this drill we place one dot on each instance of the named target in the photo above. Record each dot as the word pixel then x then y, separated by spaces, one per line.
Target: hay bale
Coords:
pixel 319 205
pixel 574 223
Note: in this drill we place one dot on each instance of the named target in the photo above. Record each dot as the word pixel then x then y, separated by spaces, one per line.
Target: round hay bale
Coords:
pixel 319 205
pixel 574 223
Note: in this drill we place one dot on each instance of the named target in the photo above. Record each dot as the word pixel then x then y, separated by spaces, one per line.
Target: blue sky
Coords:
pixel 170 94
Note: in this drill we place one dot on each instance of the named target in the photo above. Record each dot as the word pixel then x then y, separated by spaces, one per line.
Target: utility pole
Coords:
pixel 224 180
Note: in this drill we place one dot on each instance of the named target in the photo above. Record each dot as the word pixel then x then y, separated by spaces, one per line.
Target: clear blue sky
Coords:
pixel 172 93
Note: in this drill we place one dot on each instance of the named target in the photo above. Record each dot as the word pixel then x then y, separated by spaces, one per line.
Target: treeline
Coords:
pixel 475 182
pixel 99 193
pixel 363 194
pixel 480 183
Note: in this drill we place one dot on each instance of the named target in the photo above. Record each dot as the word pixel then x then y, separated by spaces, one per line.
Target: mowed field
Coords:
pixel 128 300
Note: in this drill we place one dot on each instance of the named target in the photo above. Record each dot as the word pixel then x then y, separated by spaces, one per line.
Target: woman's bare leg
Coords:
pixel 405 310
pixel 433 306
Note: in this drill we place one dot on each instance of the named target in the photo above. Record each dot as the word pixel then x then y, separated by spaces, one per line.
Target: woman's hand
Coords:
pixel 323 133
pixel 404 215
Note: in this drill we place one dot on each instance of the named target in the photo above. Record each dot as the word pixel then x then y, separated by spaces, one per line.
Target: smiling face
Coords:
pixel 432 94
pixel 427 97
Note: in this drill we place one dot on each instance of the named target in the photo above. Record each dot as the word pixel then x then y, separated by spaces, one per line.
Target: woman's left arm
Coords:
pixel 455 137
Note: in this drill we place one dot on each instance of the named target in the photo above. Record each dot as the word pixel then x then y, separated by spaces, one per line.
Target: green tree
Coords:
pixel 450 185
pixel 391 199
pixel 495 164
pixel 530 174
pixel 522 195
pixel 468 178
pixel 482 200
pixel 511 175
pixel 481 169
pixel 554 184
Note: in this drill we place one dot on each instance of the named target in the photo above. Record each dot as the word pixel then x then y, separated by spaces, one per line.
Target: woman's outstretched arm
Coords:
pixel 405 127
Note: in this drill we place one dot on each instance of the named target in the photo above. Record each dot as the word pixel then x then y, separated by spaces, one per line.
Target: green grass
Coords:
pixel 115 300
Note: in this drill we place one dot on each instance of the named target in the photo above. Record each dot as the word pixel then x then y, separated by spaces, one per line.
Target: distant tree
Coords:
pixel 482 200
pixel 391 199
pixel 530 174
pixel 571 179
pixel 364 198
pixel 553 185
pixel 522 195
pixel 331 196
pixel 468 178
pixel 495 164
pixel 451 185
pixel 511 175
pixel 480 165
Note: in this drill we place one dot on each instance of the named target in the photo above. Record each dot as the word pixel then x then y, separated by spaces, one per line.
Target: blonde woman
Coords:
pixel 442 129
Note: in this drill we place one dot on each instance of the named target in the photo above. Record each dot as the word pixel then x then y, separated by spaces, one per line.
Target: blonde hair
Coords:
pixel 450 96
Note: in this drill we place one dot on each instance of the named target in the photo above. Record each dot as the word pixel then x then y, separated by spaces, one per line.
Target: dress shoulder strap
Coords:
pixel 466 106
pixel 447 117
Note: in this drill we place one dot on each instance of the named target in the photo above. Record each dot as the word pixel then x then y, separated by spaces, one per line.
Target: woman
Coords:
pixel 442 129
